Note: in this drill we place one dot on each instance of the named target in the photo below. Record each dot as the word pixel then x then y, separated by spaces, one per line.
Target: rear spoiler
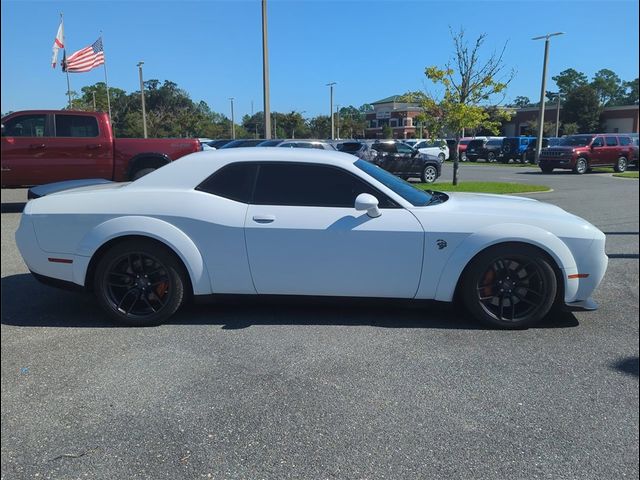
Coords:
pixel 49 188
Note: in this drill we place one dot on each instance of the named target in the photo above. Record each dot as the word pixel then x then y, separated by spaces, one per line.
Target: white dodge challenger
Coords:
pixel 275 221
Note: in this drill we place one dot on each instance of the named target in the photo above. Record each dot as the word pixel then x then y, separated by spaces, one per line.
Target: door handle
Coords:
pixel 264 218
pixel 94 146
pixel 37 146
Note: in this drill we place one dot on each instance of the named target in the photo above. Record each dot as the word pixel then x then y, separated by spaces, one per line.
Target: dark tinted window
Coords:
pixel 311 185
pixel 234 181
pixel 598 142
pixel 76 126
pixel 575 141
pixel 405 149
pixel 25 126
pixel 349 147
pixel 476 144
pixel 611 141
pixel 625 140
pixel 384 147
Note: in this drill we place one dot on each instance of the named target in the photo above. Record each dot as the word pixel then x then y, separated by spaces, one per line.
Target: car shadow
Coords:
pixel 12 207
pixel 27 303
pixel 629 365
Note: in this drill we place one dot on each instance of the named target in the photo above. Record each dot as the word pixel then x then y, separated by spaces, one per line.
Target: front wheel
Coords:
pixel 139 283
pixel 429 174
pixel 621 165
pixel 491 157
pixel 141 173
pixel 509 286
pixel 581 166
pixel 463 157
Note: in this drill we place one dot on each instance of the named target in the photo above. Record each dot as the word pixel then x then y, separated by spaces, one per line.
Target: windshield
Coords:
pixel 416 197
pixel 575 141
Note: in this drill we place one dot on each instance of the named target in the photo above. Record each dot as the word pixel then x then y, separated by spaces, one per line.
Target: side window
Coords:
pixel 311 185
pixel 611 141
pixel 598 142
pixel 402 148
pixel 625 141
pixel 384 147
pixel 25 126
pixel 76 126
pixel 234 181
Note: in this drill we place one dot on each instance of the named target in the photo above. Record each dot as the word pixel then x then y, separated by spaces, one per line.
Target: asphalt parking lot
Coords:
pixel 327 391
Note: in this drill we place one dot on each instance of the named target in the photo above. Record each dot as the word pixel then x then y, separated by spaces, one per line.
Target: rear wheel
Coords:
pixel 581 166
pixel 509 286
pixel 463 157
pixel 621 165
pixel 429 174
pixel 140 283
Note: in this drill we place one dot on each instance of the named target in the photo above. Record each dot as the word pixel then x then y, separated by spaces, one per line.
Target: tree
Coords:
pixel 387 131
pixel 521 102
pixel 631 97
pixel 608 87
pixel 320 126
pixel 549 128
pixel 568 80
pixel 582 106
pixel 465 83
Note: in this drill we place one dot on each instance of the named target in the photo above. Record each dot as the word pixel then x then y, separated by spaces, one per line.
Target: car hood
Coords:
pixel 471 212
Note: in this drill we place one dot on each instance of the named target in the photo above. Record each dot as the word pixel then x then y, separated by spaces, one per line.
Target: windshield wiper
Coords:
pixel 436 197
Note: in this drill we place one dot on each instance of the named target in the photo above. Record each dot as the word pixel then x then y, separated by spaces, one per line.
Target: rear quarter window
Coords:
pixel 234 181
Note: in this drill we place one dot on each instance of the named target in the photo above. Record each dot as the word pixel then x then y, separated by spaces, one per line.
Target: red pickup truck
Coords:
pixel 44 146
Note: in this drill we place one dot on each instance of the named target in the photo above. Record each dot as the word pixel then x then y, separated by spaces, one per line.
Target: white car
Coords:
pixel 249 221
pixel 434 149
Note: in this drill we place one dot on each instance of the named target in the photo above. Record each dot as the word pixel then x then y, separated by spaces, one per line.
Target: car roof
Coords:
pixel 190 170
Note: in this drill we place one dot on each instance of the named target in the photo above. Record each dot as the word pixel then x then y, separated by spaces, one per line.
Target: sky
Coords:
pixel 371 49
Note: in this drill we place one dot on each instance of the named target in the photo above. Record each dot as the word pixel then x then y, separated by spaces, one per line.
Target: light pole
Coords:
pixel 333 131
pixel 233 123
pixel 558 114
pixel 543 89
pixel 144 110
pixel 265 73
pixel 337 121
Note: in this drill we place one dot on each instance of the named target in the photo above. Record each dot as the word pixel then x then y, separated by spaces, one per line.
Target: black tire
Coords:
pixel 546 169
pixel 509 286
pixel 146 269
pixel 491 157
pixel 505 160
pixel 429 174
pixel 524 159
pixel 141 173
pixel 621 165
pixel 441 157
pixel 463 157
pixel 581 166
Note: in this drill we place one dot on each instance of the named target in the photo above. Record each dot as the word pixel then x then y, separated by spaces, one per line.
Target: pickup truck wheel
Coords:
pixel 581 166
pixel 429 174
pixel 491 157
pixel 139 283
pixel 621 165
pixel 141 173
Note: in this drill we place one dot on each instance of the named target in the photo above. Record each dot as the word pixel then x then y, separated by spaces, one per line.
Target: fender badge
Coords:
pixel 441 244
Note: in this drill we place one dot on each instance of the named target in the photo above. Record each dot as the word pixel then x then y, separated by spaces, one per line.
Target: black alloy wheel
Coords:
pixel 139 283
pixel 510 286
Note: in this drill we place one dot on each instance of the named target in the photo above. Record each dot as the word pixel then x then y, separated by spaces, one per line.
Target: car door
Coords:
pixel 598 152
pixel 612 149
pixel 24 141
pixel 78 150
pixel 306 238
pixel 386 157
pixel 407 157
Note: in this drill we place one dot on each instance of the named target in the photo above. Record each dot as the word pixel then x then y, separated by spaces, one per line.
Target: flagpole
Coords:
pixel 64 56
pixel 106 81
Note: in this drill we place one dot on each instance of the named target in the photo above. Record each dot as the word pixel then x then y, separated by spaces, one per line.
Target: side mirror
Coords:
pixel 368 202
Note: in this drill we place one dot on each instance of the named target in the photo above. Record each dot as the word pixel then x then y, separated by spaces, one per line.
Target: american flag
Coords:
pixel 86 59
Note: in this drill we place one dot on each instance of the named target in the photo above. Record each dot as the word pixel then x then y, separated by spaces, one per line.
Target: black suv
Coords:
pixel 489 150
pixel 405 162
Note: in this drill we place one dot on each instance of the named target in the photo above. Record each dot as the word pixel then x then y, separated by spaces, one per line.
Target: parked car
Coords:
pixel 406 162
pixel 220 142
pixel 437 148
pixel 304 143
pixel 274 142
pixel 243 142
pixel 582 152
pixel 530 152
pixel 463 144
pixel 515 148
pixel 43 146
pixel 489 150
pixel 252 223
